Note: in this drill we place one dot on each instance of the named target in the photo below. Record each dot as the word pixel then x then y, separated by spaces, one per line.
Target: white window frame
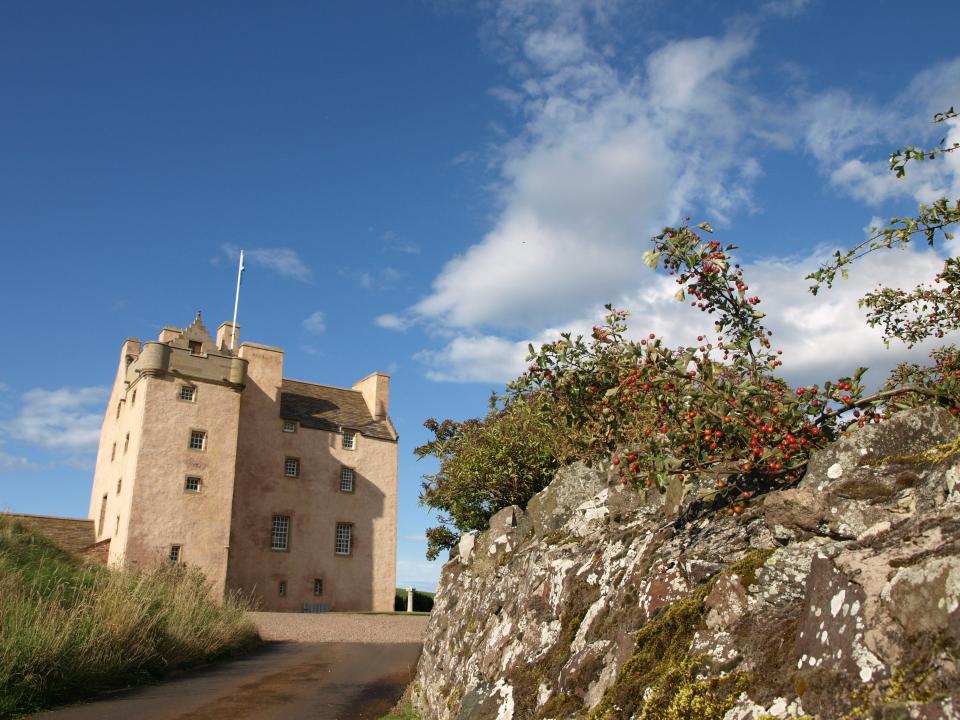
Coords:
pixel 291 463
pixel 343 539
pixel 290 426
pixel 347 479
pixel 176 553
pixel 280 533
pixel 186 484
pixel 187 389
pixel 203 440
pixel 352 444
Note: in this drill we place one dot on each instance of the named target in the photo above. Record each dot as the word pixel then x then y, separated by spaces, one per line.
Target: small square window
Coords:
pixel 282 588
pixel 192 484
pixel 318 586
pixel 344 539
pixel 196 347
pixel 291 467
pixel 175 553
pixel 349 440
pixel 280 532
pixel 290 426
pixel 187 393
pixel 346 479
pixel 198 440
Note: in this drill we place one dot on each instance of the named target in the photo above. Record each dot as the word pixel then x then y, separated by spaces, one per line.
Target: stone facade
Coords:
pixel 212 456
pixel 837 598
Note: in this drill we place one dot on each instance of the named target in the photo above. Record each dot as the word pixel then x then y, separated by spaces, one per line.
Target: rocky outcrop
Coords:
pixel 837 598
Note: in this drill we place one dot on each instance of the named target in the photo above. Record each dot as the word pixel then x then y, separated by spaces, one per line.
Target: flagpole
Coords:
pixel 236 304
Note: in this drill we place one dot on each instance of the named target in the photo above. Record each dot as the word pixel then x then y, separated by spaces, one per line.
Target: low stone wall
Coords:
pixel 839 597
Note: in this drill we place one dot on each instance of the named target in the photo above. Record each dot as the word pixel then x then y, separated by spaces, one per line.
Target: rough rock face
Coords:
pixel 838 598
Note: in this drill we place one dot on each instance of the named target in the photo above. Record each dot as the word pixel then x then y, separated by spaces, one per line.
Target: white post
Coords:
pixel 236 304
pixel 410 592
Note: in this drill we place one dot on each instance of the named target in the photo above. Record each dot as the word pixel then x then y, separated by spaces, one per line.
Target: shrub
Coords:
pixel 69 629
pixel 714 407
pixel 488 464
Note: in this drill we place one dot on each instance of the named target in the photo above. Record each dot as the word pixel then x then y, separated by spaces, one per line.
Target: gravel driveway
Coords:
pixel 341 627
pixel 327 666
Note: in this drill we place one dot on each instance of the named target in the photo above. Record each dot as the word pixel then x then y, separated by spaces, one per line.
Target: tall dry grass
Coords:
pixel 69 629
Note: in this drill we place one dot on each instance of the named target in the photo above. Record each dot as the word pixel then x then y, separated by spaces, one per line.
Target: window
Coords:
pixel 126 443
pixel 119 404
pixel 192 484
pixel 198 440
pixel 291 467
pixel 196 347
pixel 113 452
pixel 290 426
pixel 119 485
pixel 282 588
pixel 187 393
pixel 280 533
pixel 344 539
pixel 318 586
pixel 349 440
pixel 117 530
pixel 103 514
pixel 175 552
pixel 346 479
pixel 133 399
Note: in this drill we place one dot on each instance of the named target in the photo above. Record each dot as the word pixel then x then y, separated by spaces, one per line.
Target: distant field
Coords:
pixel 70 629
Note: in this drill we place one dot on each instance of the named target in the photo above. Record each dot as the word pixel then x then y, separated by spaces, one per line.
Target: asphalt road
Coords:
pixel 281 681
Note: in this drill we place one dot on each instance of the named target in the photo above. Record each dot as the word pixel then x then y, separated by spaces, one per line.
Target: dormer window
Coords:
pixel 349 440
pixel 196 347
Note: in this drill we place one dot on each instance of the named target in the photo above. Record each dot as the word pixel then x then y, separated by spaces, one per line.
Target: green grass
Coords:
pixel 406 713
pixel 70 629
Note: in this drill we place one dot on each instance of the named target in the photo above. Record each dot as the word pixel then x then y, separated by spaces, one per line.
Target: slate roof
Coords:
pixel 323 407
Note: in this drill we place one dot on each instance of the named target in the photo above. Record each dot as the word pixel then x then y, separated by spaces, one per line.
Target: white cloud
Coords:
pixel 282 261
pixel 392 242
pixel 315 324
pixel 821 336
pixel 391 321
pixel 10 463
pixel 419 574
pixel 603 160
pixel 66 419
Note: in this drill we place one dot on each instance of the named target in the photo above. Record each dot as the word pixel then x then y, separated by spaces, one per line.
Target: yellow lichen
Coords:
pixel 931 456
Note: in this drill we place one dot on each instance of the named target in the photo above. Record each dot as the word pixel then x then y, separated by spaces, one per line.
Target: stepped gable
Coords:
pixel 196 332
pixel 70 534
pixel 324 407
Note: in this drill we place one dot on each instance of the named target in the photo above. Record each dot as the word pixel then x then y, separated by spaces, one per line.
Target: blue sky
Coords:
pixel 423 188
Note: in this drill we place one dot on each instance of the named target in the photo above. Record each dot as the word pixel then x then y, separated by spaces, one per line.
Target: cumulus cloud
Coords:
pixel 282 261
pixel 316 323
pixel 391 321
pixel 604 159
pixel 67 419
pixel 817 334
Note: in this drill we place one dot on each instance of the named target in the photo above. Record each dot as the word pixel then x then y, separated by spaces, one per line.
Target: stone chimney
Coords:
pixel 169 334
pixel 224 333
pixel 375 389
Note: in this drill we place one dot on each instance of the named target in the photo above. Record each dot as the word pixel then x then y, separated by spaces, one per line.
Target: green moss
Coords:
pixel 406 712
pixel 660 681
pixel 454 697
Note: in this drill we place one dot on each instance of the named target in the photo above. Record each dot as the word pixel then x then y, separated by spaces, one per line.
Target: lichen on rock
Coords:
pixel 837 598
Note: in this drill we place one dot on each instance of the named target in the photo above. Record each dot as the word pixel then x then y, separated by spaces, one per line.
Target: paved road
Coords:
pixel 281 681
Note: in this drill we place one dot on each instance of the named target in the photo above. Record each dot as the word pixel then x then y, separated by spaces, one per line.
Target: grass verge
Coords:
pixel 70 629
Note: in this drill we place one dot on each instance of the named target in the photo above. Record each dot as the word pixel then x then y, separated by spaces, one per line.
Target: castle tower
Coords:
pixel 280 488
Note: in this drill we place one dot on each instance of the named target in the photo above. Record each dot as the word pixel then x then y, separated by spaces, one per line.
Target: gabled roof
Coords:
pixel 323 407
